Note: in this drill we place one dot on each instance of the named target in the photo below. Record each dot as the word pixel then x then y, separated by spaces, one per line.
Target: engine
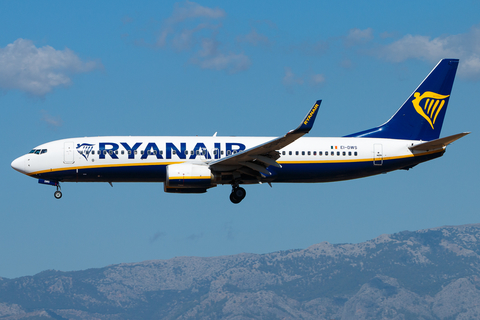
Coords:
pixel 188 178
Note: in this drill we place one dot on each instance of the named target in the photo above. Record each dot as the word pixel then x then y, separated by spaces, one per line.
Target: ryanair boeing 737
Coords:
pixel 195 164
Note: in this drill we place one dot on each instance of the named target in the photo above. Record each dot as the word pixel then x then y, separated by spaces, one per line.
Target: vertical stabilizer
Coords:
pixel 421 116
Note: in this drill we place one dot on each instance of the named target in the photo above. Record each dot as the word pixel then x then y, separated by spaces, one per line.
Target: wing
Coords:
pixel 256 160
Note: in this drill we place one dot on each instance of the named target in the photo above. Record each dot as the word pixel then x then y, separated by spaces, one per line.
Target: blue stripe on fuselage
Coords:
pixel 290 172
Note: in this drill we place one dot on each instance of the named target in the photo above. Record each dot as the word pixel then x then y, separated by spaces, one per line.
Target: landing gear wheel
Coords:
pixel 240 193
pixel 234 199
pixel 237 195
pixel 57 194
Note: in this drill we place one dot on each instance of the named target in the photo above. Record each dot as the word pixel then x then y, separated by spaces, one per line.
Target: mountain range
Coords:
pixel 425 274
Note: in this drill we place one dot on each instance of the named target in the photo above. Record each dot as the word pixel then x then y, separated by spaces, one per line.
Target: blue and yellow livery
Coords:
pixel 195 164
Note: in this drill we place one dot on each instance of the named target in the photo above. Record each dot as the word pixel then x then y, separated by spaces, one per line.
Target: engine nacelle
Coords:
pixel 188 178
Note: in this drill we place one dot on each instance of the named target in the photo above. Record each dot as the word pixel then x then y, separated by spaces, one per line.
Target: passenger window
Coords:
pixel 122 152
pixel 141 152
pixel 349 153
pixel 137 151
pixel 303 153
pixel 186 152
pixel 296 153
pixel 221 152
pixel 161 152
pixel 129 152
pixel 228 152
pixel 332 153
pixel 309 153
pixel 319 153
pixel 289 153
pixel 155 152
pixel 355 153
pixel 283 153
pixel 343 153
pixel 326 153
pixel 174 151
pixel 110 152
pixel 116 151
pixel 338 153
pixel 314 153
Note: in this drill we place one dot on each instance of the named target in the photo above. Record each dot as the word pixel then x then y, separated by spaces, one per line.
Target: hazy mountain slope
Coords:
pixel 427 274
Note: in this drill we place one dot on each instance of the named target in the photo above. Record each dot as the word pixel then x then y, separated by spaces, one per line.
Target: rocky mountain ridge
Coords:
pixel 426 274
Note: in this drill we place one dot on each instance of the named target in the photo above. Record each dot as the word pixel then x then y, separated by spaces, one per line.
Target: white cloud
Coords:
pixel 230 62
pixel 416 47
pixel 254 38
pixel 191 10
pixel 190 28
pixel 183 37
pixel 211 58
pixel 51 121
pixel 358 37
pixel 317 79
pixel 290 79
pixel 37 71
pixel 465 46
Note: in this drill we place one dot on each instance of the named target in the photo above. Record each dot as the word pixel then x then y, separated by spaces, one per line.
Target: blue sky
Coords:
pixel 237 68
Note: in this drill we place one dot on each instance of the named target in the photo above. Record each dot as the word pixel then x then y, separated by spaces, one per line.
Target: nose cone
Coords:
pixel 19 164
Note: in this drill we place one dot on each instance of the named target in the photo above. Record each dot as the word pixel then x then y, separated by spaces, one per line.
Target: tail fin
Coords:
pixel 421 116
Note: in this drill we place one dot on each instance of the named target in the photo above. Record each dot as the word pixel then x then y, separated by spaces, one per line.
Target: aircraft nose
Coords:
pixel 19 164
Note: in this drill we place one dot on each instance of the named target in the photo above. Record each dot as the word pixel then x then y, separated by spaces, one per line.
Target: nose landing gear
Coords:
pixel 57 194
pixel 237 195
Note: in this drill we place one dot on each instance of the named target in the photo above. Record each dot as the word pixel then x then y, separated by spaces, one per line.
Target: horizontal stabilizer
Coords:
pixel 438 143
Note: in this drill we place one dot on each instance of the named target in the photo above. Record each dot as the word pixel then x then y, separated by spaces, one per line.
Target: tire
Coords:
pixel 240 193
pixel 57 194
pixel 234 199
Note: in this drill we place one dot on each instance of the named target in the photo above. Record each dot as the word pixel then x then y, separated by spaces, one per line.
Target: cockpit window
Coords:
pixel 38 151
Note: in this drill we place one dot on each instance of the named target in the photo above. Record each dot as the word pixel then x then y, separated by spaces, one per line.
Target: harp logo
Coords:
pixel 84 149
pixel 428 105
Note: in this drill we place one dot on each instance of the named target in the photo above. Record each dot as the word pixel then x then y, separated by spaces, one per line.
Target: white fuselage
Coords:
pixel 144 158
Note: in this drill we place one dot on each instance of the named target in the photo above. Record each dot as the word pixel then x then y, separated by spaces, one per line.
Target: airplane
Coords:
pixel 195 164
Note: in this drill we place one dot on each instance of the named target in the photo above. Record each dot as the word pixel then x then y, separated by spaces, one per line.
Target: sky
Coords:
pixel 249 68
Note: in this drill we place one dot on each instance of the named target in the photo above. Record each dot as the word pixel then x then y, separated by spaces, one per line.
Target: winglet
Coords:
pixel 307 123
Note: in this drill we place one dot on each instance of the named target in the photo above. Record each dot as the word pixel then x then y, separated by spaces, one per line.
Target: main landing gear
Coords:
pixel 237 195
